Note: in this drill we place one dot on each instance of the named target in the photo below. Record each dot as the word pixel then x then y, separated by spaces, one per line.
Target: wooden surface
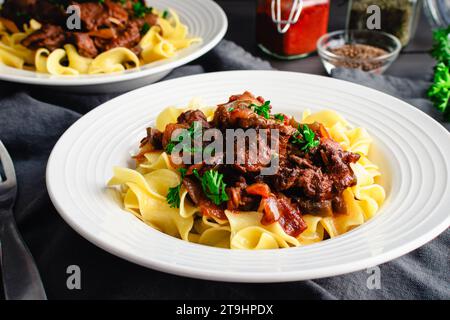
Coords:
pixel 414 61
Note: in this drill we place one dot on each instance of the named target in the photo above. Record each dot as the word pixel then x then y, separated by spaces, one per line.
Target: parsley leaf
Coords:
pixel 194 131
pixel 173 196
pixel 145 28
pixel 183 172
pixel 439 92
pixel 279 117
pixel 262 110
pixel 305 137
pixel 140 9
pixel 165 14
pixel 441 45
pixel 213 186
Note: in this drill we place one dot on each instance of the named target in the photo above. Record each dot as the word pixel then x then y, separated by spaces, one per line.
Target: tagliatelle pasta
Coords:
pixel 161 41
pixel 144 192
pixel 12 53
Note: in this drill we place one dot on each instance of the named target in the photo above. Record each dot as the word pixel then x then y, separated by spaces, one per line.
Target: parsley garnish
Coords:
pixel 145 28
pixel 230 109
pixel 182 172
pixel 213 185
pixel 173 196
pixel 101 1
pixel 305 137
pixel 193 132
pixel 439 91
pixel 165 14
pixel 441 45
pixel 140 9
pixel 279 117
pixel 262 110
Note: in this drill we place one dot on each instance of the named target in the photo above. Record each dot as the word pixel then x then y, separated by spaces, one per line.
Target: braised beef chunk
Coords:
pixel 323 208
pixel 117 12
pixel 49 36
pixel 338 205
pixel 154 137
pixel 194 189
pixel 92 15
pixel 127 38
pixel 290 217
pixel 192 116
pixel 336 162
pixel 285 178
pixel 85 44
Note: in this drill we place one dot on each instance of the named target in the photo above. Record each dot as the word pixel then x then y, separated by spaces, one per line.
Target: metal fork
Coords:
pixel 21 280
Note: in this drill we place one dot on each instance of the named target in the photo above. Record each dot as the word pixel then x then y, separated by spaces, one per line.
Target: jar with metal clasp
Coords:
pixel 289 29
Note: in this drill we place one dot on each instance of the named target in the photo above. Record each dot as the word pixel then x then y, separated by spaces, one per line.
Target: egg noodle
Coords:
pixel 161 41
pixel 143 192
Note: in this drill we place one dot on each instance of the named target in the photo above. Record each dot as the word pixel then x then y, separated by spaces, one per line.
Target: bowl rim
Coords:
pixel 325 53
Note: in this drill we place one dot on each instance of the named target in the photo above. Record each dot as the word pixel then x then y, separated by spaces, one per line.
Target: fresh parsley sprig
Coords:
pixel 140 9
pixel 145 28
pixel 441 45
pixel 213 186
pixel 194 131
pixel 262 110
pixel 305 137
pixel 439 91
pixel 173 196
pixel 279 117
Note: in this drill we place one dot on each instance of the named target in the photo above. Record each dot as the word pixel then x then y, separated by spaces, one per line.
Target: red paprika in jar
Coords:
pixel 289 29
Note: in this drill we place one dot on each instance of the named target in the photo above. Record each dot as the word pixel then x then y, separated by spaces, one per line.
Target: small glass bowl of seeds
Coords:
pixel 370 51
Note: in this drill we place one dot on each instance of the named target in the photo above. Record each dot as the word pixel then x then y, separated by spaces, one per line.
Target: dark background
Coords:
pixel 414 61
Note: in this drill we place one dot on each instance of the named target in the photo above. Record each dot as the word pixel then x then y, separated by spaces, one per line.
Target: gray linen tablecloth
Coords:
pixel 32 120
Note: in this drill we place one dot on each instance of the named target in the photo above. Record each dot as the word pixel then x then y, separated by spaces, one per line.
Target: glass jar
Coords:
pixel 289 29
pixel 397 17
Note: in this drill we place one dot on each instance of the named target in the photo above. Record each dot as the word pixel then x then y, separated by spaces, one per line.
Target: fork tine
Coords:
pixel 8 167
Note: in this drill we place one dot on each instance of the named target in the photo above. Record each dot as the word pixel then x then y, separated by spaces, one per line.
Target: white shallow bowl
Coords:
pixel 204 19
pixel 410 147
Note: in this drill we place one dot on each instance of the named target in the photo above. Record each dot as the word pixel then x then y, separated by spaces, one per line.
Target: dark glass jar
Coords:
pixel 289 29
pixel 397 17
